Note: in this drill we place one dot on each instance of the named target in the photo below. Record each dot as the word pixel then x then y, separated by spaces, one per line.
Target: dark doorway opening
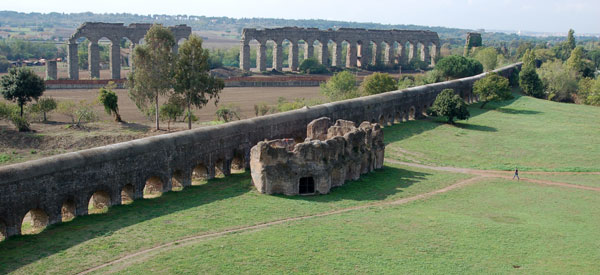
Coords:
pixel 307 186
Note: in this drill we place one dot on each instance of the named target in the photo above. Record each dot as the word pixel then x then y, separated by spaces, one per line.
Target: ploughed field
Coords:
pixel 422 213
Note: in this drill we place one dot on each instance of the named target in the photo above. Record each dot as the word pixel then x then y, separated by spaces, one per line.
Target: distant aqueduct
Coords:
pixel 388 46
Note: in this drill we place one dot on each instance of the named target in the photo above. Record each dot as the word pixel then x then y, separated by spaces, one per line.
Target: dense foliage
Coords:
pixel 109 100
pixel 21 85
pixel 377 83
pixel 450 105
pixel 456 66
pixel 493 87
pixel 340 86
pixel 312 66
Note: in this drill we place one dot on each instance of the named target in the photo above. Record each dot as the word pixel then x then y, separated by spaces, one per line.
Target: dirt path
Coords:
pixel 130 259
pixel 503 174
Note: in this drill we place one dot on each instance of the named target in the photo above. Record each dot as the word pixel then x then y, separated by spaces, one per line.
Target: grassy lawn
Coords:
pixel 525 132
pixel 586 180
pixel 219 204
pixel 490 227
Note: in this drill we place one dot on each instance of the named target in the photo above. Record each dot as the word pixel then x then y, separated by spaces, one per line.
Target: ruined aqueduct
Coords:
pixel 62 186
pixel 363 46
pixel 114 32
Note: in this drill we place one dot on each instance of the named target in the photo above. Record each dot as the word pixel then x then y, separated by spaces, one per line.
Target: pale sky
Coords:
pixel 525 15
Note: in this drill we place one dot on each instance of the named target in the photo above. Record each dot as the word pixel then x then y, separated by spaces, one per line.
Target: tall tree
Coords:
pixel 192 78
pixel 153 74
pixel 571 39
pixel 488 57
pixel 528 60
pixel 493 87
pixel 21 85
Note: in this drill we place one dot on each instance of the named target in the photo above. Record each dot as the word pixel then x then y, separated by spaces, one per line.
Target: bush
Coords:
pixel 492 87
pixel 44 105
pixel 340 86
pixel 170 111
pixel 488 57
pixel 4 64
pixel 261 109
pixel 450 105
pixel 377 83
pixel 530 83
pixel 456 66
pixel 20 122
pixel 559 82
pixel 312 66
pixel 78 113
pixel 228 112
pixel 109 100
pixel 11 113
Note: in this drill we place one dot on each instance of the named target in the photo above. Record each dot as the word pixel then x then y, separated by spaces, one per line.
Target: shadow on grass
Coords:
pixel 136 127
pixel 475 127
pixel 19 251
pixel 375 186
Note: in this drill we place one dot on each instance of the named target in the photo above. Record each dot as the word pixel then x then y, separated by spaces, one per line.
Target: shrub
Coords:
pixel 228 112
pixel 44 105
pixel 377 83
pixel 78 113
pixel 456 66
pixel 450 105
pixel 530 83
pixel 312 66
pixel 340 86
pixel 261 109
pixel 109 100
pixel 170 111
pixel 492 87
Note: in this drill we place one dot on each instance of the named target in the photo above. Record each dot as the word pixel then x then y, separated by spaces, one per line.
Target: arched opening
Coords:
pixel 404 117
pixel 396 51
pixel 410 49
pixel 390 120
pixel 127 47
pixel 302 49
pixel 238 162
pixel 397 118
pixel 411 113
pixel 2 231
pixel 127 194
pixel 220 169
pixel 306 186
pixel 199 174
pixel 382 121
pixel 34 222
pixel 286 47
pixel 153 188
pixel 424 111
pixel 177 181
pixel 361 54
pixel 254 47
pixel 99 202
pixel 322 52
pixel 67 210
pixel 387 54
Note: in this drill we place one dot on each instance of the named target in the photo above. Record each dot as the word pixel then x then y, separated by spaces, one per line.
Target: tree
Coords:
pixel 528 60
pixel 4 64
pixel 456 66
pixel 170 111
pixel 377 83
pixel 340 86
pixel 192 78
pixel 109 100
pixel 492 87
pixel 488 57
pixel 559 81
pixel 153 72
pixel 571 39
pixel 579 64
pixel 228 112
pixel 530 82
pixel 45 105
pixel 450 105
pixel 312 66
pixel 21 85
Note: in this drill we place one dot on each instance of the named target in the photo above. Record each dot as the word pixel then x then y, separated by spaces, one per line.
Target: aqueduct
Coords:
pixel 56 188
pixel 364 46
pixel 94 31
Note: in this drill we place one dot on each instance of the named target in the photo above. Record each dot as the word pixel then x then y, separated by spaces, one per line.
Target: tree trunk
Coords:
pixel 45 120
pixel 485 102
pixel 156 112
pixel 118 117
pixel 189 114
pixel 21 105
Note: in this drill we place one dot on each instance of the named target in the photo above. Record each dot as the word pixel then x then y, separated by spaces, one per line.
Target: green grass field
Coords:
pixel 528 133
pixel 488 226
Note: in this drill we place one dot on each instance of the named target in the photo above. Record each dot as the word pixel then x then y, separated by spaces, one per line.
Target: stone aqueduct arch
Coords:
pixel 358 46
pixel 61 186
pixel 114 32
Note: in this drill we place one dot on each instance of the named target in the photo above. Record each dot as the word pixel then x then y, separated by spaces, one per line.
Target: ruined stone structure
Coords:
pixel 389 46
pixel 330 155
pixel 51 70
pixel 473 41
pixel 114 32
pixel 63 185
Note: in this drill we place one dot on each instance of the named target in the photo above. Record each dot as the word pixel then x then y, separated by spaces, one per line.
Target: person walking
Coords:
pixel 516 174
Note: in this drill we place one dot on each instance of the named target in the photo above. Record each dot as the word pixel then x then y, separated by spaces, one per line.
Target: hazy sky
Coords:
pixel 526 15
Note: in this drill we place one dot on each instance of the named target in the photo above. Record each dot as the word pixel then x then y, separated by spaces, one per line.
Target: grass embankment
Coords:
pixel 495 226
pixel 219 204
pixel 528 133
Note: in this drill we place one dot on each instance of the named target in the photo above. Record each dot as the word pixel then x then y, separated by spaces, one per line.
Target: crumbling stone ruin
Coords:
pixel 473 41
pixel 365 47
pixel 114 32
pixel 330 155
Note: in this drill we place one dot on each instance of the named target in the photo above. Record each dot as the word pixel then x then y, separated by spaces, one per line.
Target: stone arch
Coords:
pixel 130 46
pixel 389 120
pixel 153 188
pixel 387 53
pixel 349 47
pixel 322 51
pixel 220 168
pixel 396 52
pixel 408 51
pixel 34 221
pixel 302 54
pixel 68 210
pixel 404 116
pixel 336 51
pixel 424 110
pixel 127 194
pixel 2 230
pixel 200 172
pixel 412 113
pixel 382 122
pixel 99 202
pixel 362 53
pixel 177 180
pixel 238 162
pixel 397 117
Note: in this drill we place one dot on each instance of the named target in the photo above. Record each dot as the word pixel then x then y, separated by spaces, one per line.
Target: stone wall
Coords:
pixel 121 170
pixel 330 155
pixel 365 47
